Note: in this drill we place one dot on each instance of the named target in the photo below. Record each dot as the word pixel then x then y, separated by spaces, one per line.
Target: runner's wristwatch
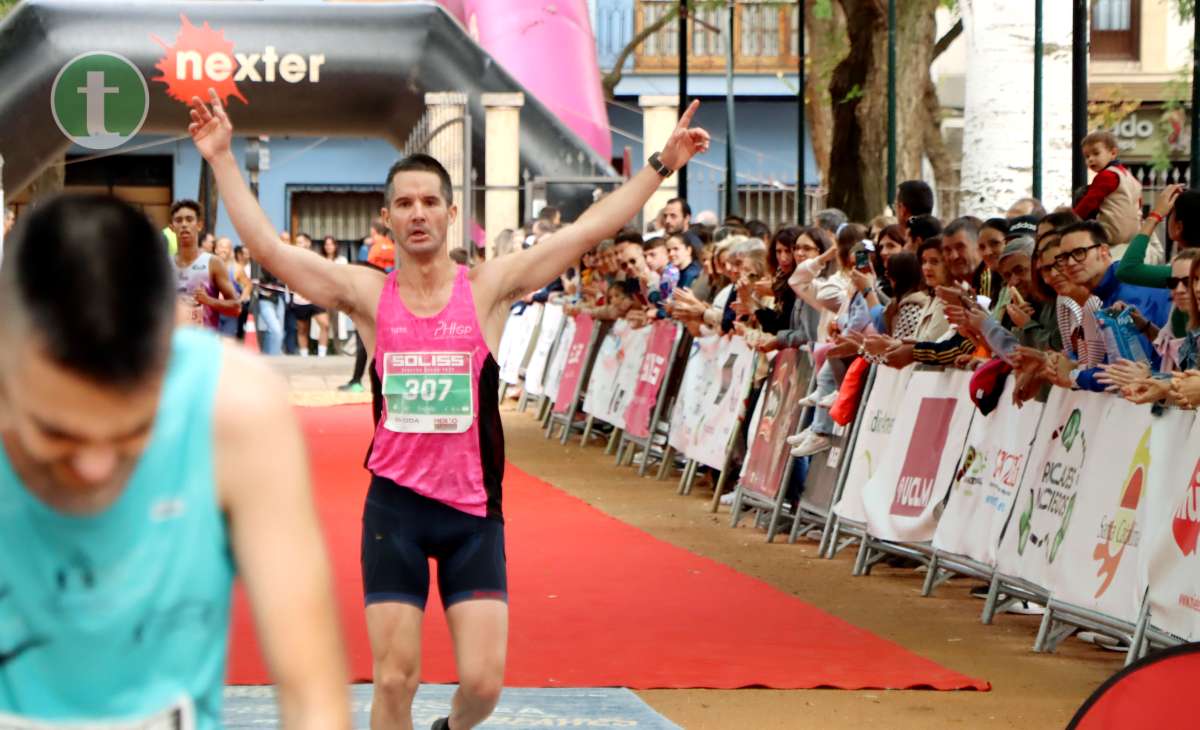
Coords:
pixel 656 162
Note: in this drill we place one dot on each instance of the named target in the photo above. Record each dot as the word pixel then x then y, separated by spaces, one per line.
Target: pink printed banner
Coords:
pixel 576 359
pixel 779 413
pixel 650 377
pixel 914 488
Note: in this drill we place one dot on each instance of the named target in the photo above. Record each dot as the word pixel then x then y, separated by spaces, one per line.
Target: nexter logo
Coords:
pixel 202 58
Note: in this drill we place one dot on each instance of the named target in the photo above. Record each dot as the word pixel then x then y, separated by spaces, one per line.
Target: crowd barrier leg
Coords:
pixel 780 496
pixel 587 430
pixel 622 447
pixel 735 512
pixel 688 476
pixel 716 500
pixel 544 411
pixel 835 544
pixel 523 401
pixel 994 605
pixel 631 452
pixel 936 576
pixel 1137 646
pixel 665 466
pixel 829 535
pixel 646 454
pixel 868 556
pixel 613 439
pixel 860 562
pixel 503 390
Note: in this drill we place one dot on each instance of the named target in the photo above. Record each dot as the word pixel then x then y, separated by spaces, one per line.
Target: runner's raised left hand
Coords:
pixel 685 141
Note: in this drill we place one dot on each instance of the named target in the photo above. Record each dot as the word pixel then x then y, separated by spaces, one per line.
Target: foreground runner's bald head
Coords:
pixel 437 457
pixel 141 466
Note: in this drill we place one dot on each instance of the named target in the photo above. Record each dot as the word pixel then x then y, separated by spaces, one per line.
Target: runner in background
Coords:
pixel 437 458
pixel 202 283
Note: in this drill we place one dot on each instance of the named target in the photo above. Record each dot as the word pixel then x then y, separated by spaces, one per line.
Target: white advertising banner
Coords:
pixel 689 402
pixel 1097 565
pixel 615 372
pixel 723 403
pixel 1046 499
pixel 1170 562
pixel 984 486
pixel 535 371
pixel 879 417
pixel 903 498
pixel 558 358
pixel 519 331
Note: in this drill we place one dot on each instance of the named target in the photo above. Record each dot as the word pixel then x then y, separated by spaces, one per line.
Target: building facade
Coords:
pixel 765 86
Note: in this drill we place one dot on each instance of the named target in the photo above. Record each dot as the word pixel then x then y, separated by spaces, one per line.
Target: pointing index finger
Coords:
pixel 686 120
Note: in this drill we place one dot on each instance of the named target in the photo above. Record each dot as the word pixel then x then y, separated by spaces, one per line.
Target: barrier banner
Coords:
pixel 1045 503
pixel 985 484
pixel 558 358
pixel 883 406
pixel 574 360
pixel 723 403
pixel 663 335
pixel 614 374
pixel 535 371
pixel 1098 560
pixel 1171 508
pixel 903 498
pixel 519 332
pixel 689 402
pixel 779 413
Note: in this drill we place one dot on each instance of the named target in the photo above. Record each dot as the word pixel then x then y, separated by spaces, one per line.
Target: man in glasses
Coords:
pixel 1084 258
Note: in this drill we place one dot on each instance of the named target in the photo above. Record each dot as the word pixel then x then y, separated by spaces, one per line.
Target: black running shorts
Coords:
pixel 402 530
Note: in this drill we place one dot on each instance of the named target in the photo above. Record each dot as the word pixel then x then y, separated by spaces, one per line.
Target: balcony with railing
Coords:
pixel 765 37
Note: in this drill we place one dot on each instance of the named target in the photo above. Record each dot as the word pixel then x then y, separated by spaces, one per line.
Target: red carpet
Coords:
pixel 597 603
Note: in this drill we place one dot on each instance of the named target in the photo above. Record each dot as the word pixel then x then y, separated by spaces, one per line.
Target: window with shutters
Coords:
pixel 764 37
pixel 1115 30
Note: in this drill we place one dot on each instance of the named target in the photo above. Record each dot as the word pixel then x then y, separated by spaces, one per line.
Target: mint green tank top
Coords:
pixel 123 616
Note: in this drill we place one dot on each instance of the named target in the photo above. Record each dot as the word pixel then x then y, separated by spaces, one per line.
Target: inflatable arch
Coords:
pixel 96 73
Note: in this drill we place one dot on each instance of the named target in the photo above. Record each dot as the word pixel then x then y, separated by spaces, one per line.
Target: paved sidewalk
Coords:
pixel 314 381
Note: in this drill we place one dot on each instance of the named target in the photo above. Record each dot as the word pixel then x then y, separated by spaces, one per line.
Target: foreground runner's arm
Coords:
pixel 317 279
pixel 509 277
pixel 262 477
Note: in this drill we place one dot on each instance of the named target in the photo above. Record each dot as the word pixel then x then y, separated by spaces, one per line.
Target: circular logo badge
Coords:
pixel 99 100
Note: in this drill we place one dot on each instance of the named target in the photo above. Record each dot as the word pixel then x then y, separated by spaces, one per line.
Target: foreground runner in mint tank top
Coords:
pixel 433 328
pixel 141 466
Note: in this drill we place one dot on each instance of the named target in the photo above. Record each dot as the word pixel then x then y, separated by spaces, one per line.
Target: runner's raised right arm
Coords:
pixel 320 281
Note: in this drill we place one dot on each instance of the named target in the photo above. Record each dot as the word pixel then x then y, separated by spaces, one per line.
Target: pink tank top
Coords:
pixel 437 412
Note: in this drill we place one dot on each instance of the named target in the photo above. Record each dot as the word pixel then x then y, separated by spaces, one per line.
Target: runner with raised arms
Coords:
pixel 437 458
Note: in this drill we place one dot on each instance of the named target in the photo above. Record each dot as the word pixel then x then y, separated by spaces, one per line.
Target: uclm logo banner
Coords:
pixel 915 486
pixel 1186 524
pixel 202 58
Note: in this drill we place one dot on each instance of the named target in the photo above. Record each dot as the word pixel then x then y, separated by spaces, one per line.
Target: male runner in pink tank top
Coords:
pixel 437 458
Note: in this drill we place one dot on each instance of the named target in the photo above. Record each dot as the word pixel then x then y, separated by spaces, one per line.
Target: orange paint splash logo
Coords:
pixel 203 59
pixel 1117 534
pixel 200 59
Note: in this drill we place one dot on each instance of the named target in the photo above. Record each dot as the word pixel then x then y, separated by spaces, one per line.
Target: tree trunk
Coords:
pixel 997 134
pixel 827 46
pixel 1056 105
pixel 858 162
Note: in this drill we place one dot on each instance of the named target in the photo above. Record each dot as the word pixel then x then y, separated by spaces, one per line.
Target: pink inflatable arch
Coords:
pixel 548 46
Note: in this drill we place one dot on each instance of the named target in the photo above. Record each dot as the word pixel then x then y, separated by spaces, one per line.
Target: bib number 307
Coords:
pixel 428 392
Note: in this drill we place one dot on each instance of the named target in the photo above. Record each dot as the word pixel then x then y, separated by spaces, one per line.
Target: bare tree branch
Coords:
pixel 613 77
pixel 944 42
